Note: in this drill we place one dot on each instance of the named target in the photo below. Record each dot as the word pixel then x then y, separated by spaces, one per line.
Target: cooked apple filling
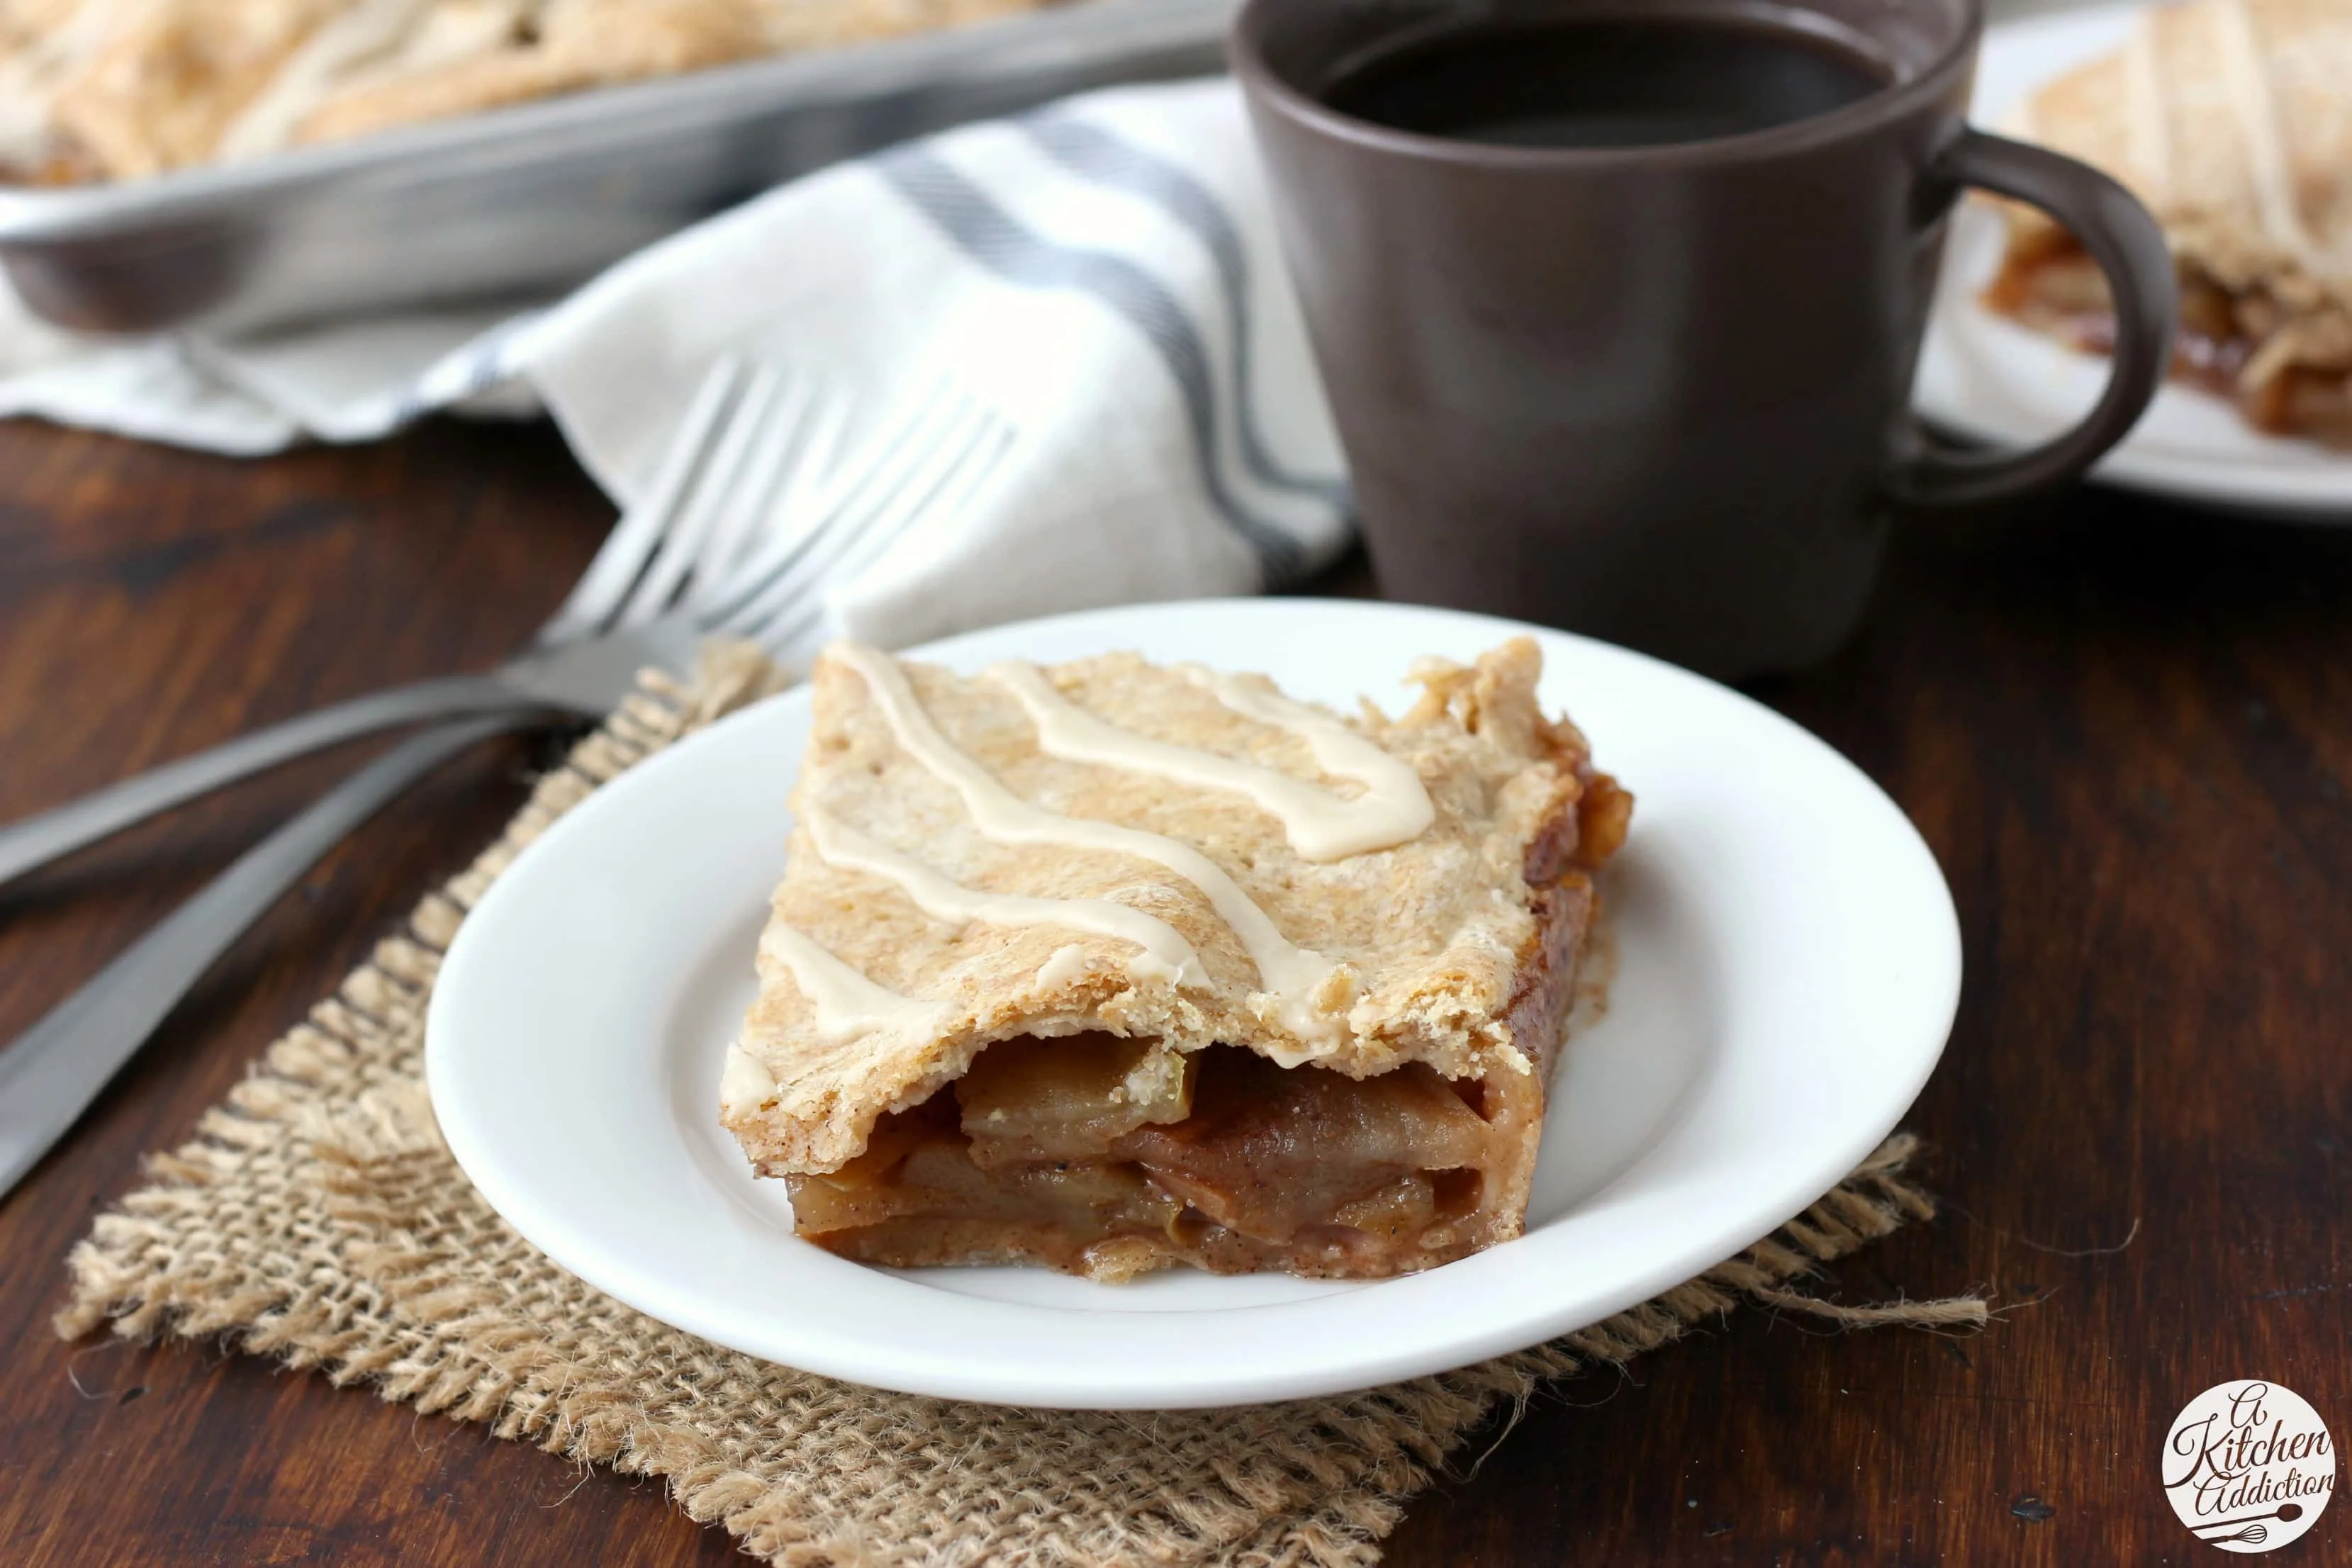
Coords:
pixel 2286 364
pixel 1111 1156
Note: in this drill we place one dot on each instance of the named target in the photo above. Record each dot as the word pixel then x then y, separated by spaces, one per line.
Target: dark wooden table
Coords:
pixel 2126 729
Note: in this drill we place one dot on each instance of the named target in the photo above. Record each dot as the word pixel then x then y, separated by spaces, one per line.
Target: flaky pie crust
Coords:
pixel 1435 936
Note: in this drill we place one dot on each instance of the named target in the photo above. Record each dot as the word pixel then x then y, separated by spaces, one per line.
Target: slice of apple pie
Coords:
pixel 1113 966
pixel 2232 120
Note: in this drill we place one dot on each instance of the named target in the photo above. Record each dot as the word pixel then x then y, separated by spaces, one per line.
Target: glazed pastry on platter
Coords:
pixel 2232 120
pixel 112 90
pixel 1110 966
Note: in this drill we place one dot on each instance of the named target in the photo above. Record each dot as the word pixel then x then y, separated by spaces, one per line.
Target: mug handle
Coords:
pixel 2129 249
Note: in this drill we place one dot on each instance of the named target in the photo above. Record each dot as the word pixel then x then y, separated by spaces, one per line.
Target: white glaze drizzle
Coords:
pixel 2147 128
pixel 374 42
pixel 1062 967
pixel 1164 955
pixel 1293 976
pixel 31 80
pixel 369 30
pixel 2021 122
pixel 2248 76
pixel 846 1004
pixel 743 1083
pixel 25 142
pixel 1320 826
pixel 1337 750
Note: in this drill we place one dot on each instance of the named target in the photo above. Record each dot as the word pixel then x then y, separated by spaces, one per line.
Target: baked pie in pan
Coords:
pixel 1112 967
pixel 115 89
pixel 2232 120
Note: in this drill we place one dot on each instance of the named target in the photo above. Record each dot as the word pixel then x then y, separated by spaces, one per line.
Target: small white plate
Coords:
pixel 1788 966
pixel 1987 378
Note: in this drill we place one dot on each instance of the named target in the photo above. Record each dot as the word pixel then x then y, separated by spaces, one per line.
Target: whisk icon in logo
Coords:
pixel 2248 1465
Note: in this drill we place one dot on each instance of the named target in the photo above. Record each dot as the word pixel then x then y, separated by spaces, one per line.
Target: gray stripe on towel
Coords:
pixel 993 237
pixel 1096 153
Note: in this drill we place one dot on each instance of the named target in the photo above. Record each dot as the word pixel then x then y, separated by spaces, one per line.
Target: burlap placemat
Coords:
pixel 317 1217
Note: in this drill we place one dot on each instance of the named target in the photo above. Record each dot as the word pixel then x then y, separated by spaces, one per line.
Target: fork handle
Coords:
pixel 38 840
pixel 52 1072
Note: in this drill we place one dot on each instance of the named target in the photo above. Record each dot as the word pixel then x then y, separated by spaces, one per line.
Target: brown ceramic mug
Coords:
pixel 1659 393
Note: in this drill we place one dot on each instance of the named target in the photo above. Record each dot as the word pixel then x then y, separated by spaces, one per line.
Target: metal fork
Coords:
pixel 746 429
pixel 919 466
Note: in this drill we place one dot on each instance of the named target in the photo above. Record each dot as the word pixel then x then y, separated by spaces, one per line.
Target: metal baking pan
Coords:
pixel 523 201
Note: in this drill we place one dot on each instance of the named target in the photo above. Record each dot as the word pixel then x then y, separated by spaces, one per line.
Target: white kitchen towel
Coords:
pixel 1102 272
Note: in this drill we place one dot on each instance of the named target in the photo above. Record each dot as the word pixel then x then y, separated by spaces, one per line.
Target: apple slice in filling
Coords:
pixel 1112 1155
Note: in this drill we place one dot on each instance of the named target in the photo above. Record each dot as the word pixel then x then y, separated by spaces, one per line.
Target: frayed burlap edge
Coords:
pixel 316 1218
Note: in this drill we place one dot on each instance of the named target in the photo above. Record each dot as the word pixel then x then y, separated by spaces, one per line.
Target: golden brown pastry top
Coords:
pixel 121 89
pixel 2232 120
pixel 1423 943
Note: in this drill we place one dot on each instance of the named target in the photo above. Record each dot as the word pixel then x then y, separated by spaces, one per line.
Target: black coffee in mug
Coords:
pixel 1605 81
